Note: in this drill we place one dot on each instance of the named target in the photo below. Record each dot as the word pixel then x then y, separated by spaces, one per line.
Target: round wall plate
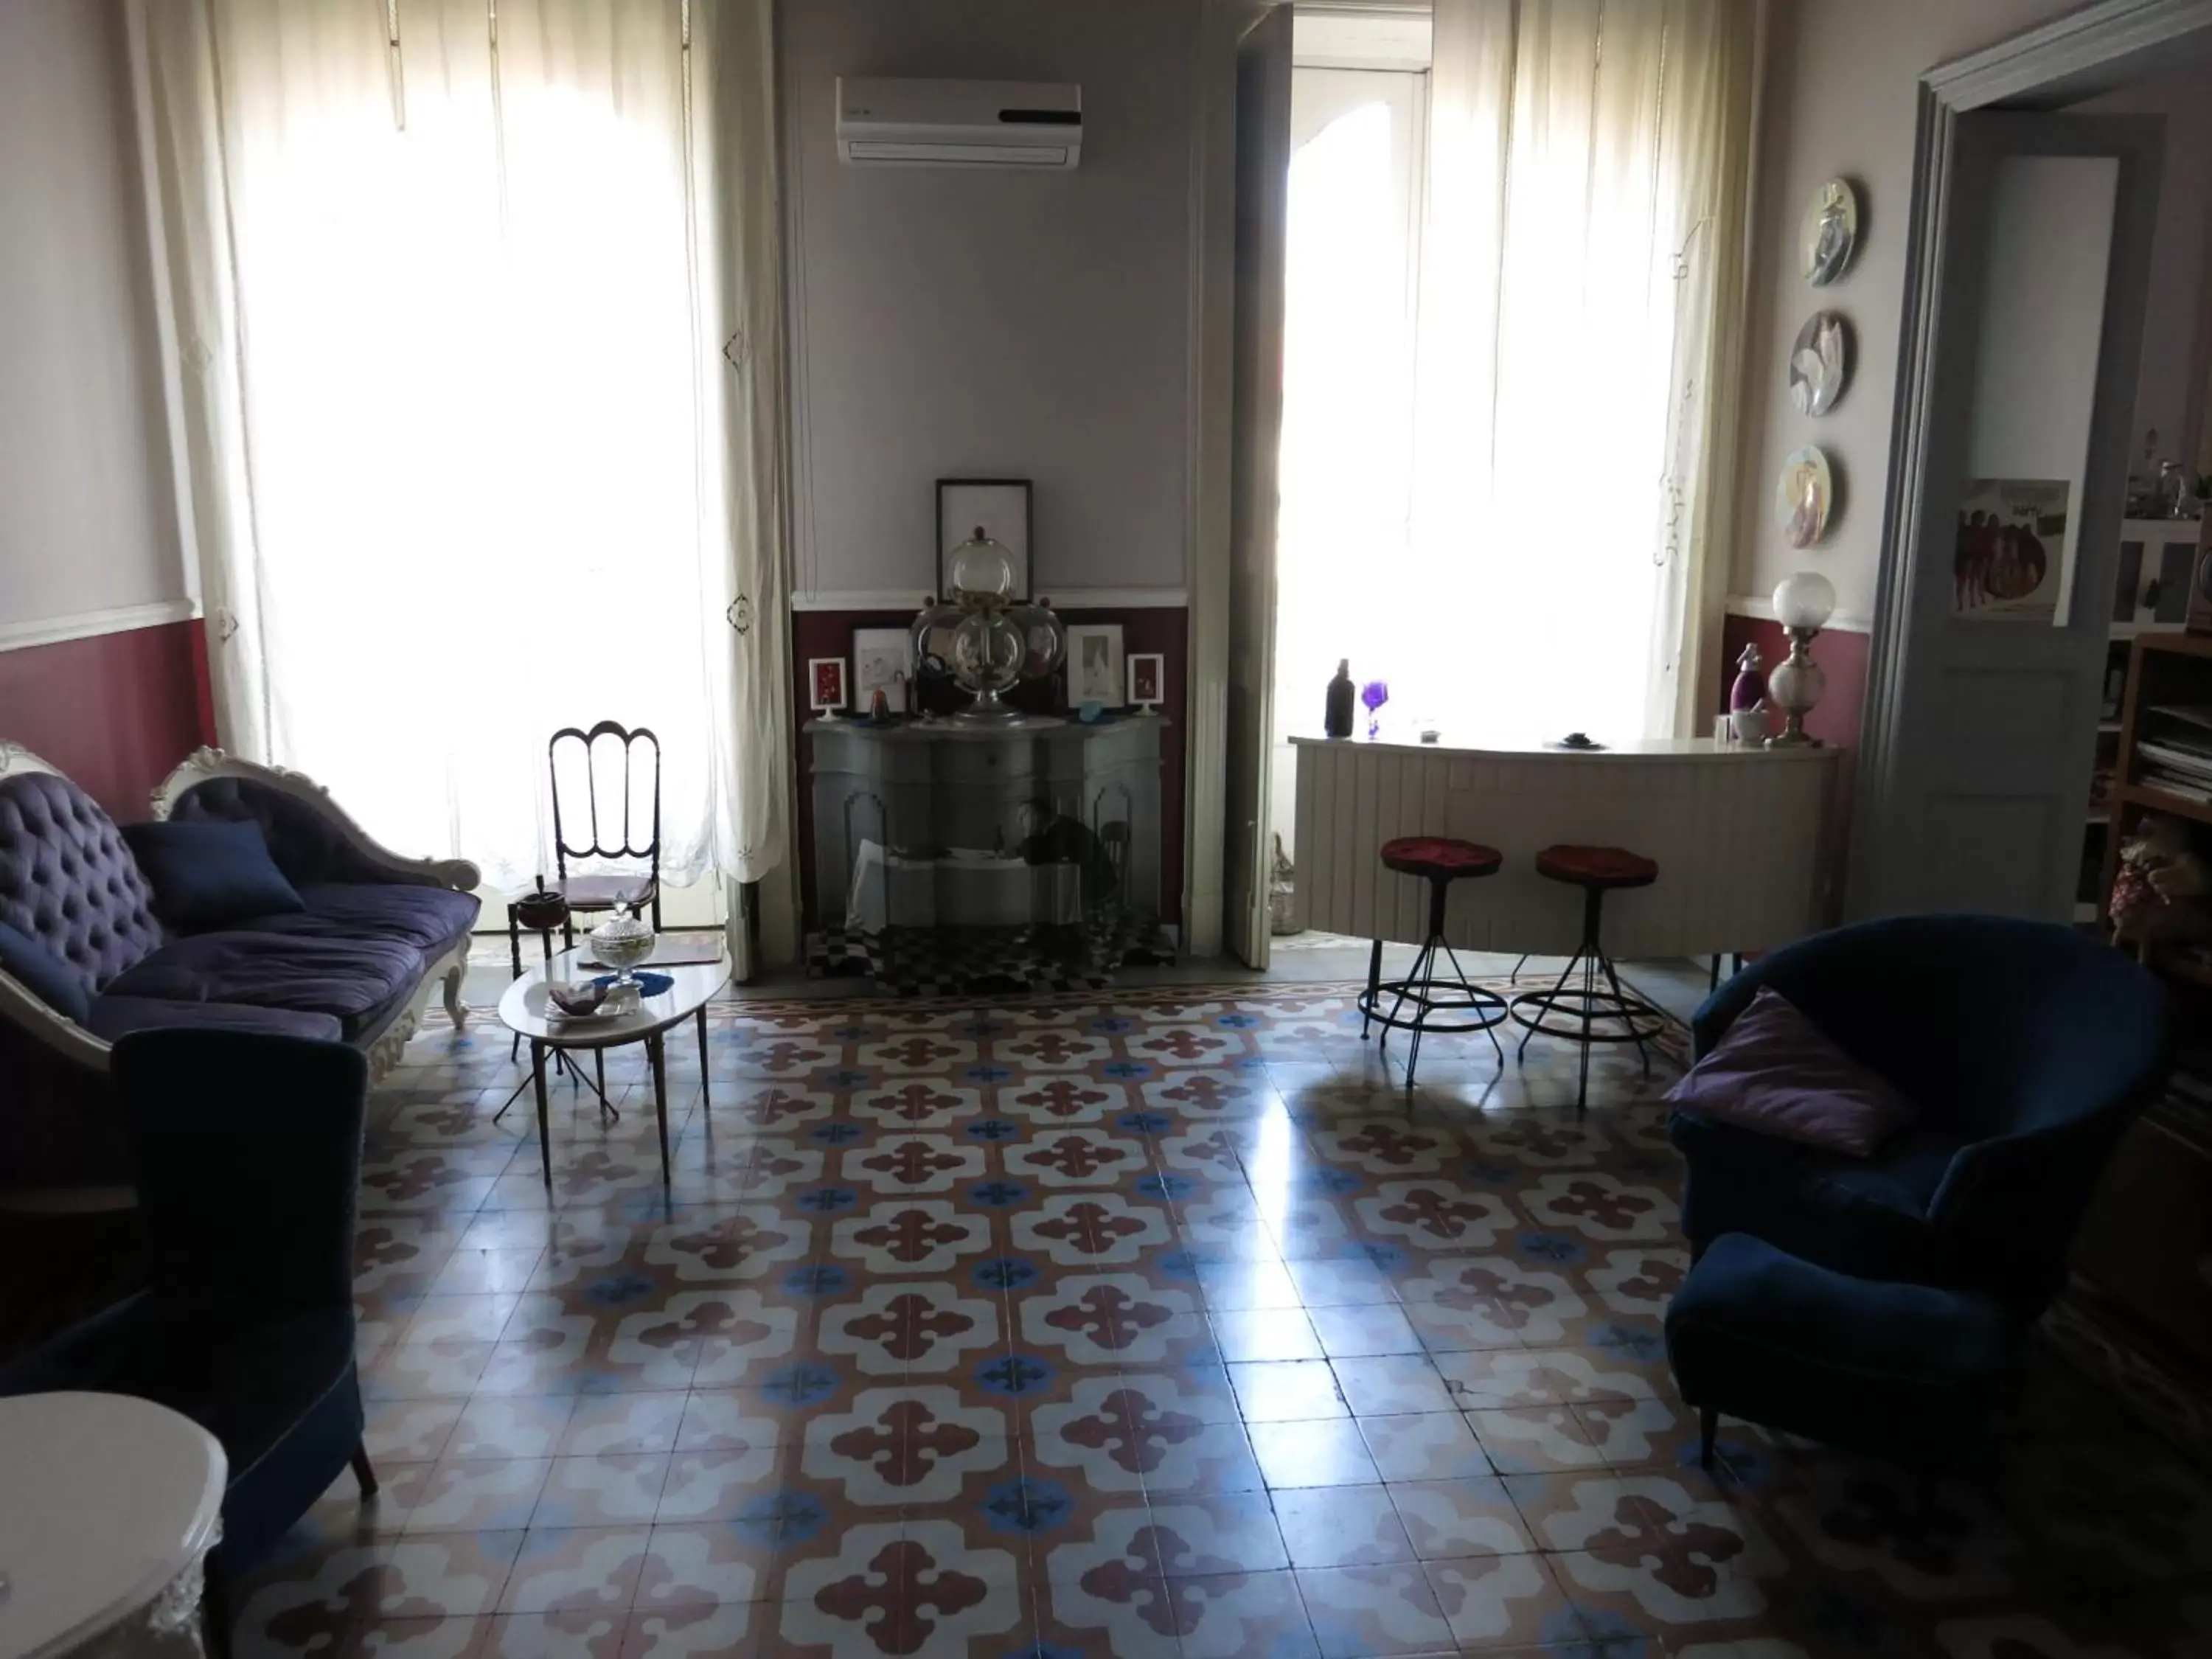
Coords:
pixel 1830 233
pixel 1820 363
pixel 1804 495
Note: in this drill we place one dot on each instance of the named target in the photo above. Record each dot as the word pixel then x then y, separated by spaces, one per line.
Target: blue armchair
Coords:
pixel 2026 1047
pixel 248 1152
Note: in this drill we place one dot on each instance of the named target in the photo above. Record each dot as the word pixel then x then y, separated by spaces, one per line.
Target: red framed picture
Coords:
pixel 825 685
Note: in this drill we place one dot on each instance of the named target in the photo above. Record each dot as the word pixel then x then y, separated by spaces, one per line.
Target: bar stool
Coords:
pixel 1440 861
pixel 1597 871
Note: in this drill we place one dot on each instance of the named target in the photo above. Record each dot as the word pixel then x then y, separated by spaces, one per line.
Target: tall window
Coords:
pixel 1513 251
pixel 451 313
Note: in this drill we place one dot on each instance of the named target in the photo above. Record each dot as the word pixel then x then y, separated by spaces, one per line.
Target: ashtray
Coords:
pixel 576 1001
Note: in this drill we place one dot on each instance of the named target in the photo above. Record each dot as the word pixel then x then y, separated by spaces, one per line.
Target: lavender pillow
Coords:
pixel 1775 1074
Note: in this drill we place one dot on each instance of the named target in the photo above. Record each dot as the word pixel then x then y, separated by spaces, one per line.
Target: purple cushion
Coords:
pixel 355 979
pixel 209 874
pixel 431 919
pixel 115 1016
pixel 307 843
pixel 1776 1073
pixel 68 881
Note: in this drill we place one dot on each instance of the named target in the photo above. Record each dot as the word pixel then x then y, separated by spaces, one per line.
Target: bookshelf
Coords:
pixel 2150 598
pixel 2137 1312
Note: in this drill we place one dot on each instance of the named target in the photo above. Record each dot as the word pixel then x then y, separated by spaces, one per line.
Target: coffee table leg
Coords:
pixel 704 1103
pixel 545 1131
pixel 656 1057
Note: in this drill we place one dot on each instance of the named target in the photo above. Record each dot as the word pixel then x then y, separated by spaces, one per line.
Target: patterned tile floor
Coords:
pixel 1162 1325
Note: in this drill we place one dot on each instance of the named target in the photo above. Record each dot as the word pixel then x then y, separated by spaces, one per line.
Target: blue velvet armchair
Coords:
pixel 2027 1048
pixel 248 1152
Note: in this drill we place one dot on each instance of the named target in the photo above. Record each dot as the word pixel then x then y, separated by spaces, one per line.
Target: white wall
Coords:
pixel 87 522
pixel 1005 324
pixel 1840 98
pixel 2170 382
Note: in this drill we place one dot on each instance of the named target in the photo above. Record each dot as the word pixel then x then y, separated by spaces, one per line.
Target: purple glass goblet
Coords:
pixel 1373 695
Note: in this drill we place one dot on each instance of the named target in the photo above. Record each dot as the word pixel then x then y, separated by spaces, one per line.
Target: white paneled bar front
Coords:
pixel 1740 837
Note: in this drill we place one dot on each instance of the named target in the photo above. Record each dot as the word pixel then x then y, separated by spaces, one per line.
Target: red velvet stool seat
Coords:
pixel 1463 1006
pixel 1578 1006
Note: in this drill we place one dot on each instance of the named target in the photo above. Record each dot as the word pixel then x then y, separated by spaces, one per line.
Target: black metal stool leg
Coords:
pixel 1439 895
pixel 1550 996
pixel 1643 1048
pixel 1490 1030
pixel 1374 980
pixel 1593 900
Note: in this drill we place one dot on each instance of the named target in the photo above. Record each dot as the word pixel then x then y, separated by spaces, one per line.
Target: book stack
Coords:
pixel 2176 750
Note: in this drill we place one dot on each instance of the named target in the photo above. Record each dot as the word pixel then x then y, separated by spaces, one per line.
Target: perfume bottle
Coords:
pixel 1750 681
pixel 1336 720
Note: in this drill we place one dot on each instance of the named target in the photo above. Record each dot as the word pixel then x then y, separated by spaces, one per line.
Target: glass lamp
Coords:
pixel 1803 604
pixel 981 638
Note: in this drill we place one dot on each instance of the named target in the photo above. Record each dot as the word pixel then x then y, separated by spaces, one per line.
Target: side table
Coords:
pixel 108 1510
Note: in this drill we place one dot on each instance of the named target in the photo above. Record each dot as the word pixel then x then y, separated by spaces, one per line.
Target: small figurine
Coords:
pixel 2159 895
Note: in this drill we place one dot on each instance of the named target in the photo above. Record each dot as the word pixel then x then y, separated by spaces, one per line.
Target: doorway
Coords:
pixel 2029 269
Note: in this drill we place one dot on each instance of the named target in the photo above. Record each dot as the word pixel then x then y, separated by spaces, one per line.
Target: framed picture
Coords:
pixel 1094 664
pixel 825 685
pixel 880 664
pixel 2009 563
pixel 1000 507
pixel 1147 678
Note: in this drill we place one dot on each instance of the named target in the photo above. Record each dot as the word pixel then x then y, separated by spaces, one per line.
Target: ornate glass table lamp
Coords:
pixel 980 636
pixel 1803 604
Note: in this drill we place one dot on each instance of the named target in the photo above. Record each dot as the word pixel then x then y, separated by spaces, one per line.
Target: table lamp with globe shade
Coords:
pixel 1803 604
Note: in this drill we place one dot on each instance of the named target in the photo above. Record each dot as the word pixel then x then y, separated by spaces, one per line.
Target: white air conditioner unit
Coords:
pixel 958 123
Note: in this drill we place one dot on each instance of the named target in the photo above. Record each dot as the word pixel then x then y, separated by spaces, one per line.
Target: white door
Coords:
pixel 1981 732
pixel 1263 172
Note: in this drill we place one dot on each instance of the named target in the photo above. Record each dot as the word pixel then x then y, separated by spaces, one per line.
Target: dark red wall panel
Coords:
pixel 1165 630
pixel 115 712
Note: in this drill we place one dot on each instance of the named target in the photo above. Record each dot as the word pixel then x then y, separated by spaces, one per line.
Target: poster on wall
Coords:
pixel 2008 565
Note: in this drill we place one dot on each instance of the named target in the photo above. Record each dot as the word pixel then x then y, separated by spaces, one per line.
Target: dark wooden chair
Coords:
pixel 614 834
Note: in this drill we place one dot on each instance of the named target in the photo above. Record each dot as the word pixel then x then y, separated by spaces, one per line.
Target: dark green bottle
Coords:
pixel 1336 721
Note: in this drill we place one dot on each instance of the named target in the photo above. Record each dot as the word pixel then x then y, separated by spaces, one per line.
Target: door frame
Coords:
pixel 2070 58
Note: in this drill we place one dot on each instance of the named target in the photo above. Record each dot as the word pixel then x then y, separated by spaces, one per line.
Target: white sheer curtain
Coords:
pixel 476 313
pixel 1579 333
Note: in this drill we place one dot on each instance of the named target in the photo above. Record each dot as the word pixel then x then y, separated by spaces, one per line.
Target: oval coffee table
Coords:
pixel 524 1011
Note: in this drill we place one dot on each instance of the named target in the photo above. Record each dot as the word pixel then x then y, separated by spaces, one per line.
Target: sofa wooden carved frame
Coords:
pixel 67 1038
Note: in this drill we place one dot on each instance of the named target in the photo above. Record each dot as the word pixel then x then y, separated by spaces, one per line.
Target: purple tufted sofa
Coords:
pixel 357 964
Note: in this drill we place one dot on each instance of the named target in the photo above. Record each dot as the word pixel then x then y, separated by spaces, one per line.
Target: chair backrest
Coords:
pixel 2033 1044
pixel 248 1159
pixel 1993 1026
pixel 618 773
pixel 68 880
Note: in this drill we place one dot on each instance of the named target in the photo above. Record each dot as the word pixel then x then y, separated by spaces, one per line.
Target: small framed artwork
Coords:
pixel 999 508
pixel 880 664
pixel 1094 664
pixel 1147 679
pixel 825 685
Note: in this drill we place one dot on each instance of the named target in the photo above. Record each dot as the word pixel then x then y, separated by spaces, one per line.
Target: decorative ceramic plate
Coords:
pixel 1820 363
pixel 1803 497
pixel 1830 233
